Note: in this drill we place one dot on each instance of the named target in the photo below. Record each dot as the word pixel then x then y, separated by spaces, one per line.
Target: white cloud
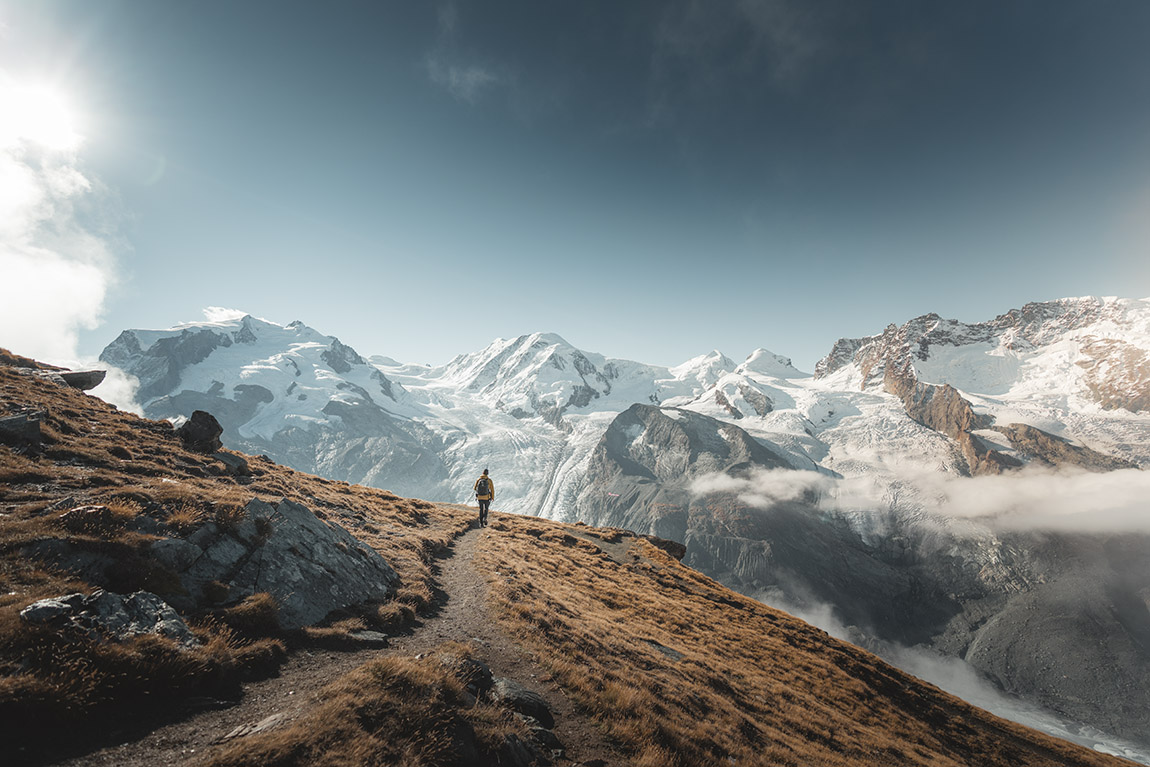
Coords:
pixel 222 314
pixel 119 388
pixel 55 257
pixel 1033 498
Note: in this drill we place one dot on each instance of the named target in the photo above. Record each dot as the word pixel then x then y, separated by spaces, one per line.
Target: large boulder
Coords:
pixel 201 433
pixel 283 549
pixel 105 616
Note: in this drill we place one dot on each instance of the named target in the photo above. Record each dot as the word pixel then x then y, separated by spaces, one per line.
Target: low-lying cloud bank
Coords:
pixel 1033 498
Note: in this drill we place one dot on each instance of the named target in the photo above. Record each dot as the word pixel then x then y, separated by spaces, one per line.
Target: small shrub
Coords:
pixel 229 515
pixel 186 517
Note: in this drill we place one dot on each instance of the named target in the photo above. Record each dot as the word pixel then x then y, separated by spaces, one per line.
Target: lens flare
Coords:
pixel 38 115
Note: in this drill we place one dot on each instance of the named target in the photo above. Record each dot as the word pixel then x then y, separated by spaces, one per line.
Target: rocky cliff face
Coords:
pixel 1108 338
pixel 920 360
pixel 640 472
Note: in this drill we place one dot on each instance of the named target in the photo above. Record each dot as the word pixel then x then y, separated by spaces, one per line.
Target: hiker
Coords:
pixel 485 493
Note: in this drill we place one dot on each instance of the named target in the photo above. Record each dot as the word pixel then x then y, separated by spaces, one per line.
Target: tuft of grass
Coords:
pixel 186 517
pixel 256 616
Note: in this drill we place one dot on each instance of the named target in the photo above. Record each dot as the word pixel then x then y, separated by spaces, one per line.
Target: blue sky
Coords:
pixel 651 180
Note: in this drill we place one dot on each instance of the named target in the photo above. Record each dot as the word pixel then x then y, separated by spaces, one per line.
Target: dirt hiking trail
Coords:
pixel 461 615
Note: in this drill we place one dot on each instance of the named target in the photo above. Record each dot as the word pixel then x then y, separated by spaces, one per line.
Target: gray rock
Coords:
pixel 546 739
pixel 201 433
pixel 22 429
pixel 309 566
pixel 369 638
pixel 234 464
pixel 105 616
pixel 511 694
pixel 83 379
pixel 175 554
pixel 515 753
pixel 268 723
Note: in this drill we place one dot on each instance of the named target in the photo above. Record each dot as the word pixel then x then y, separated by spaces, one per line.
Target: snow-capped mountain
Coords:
pixel 1059 381
pixel 304 398
pixel 1077 369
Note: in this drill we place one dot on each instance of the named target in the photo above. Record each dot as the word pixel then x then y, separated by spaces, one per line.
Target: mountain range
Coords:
pixel 839 491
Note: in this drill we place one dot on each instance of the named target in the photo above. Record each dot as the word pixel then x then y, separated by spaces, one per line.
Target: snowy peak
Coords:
pixel 266 363
pixel 767 363
pixel 540 374
pixel 1096 349
pixel 705 370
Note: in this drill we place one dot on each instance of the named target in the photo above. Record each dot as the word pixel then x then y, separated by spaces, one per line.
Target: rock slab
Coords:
pixel 509 693
pixel 309 566
pixel 105 616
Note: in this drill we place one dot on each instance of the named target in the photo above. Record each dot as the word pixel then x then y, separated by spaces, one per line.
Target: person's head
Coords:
pixel 485 472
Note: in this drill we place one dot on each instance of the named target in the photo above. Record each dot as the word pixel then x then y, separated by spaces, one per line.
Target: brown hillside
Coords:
pixel 91 453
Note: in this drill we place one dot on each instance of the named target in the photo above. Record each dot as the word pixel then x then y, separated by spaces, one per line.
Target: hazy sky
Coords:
pixel 649 179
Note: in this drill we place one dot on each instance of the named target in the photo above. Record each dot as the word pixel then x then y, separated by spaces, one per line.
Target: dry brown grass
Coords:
pixel 394 711
pixel 52 680
pixel 683 672
pixel 94 454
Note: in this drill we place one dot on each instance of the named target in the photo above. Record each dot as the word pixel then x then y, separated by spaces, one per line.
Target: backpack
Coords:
pixel 482 487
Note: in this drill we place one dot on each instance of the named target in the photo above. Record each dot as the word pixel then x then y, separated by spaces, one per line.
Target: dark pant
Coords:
pixel 484 505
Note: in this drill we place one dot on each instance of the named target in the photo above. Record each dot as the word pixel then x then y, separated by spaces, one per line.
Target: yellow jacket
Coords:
pixel 490 494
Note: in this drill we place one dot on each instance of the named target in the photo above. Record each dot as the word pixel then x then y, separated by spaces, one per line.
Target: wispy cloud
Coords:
pixel 1034 498
pixel 222 314
pixel 464 82
pixel 56 241
pixel 761 42
pixel 451 68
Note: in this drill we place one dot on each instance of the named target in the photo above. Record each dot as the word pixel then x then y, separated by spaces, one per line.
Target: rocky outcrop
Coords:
pixel 1117 374
pixel 307 565
pixel 201 433
pixel 83 379
pixel 639 475
pixel 513 695
pixel 104 616
pixel 1051 450
pixel 340 357
pixel 943 409
pixel 21 431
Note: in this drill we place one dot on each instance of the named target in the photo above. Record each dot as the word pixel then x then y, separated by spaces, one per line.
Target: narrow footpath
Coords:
pixel 461 616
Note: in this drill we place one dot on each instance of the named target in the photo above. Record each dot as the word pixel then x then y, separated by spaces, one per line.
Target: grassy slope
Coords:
pixel 682 671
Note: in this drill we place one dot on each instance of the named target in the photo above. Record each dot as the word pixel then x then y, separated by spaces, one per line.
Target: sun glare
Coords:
pixel 38 115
